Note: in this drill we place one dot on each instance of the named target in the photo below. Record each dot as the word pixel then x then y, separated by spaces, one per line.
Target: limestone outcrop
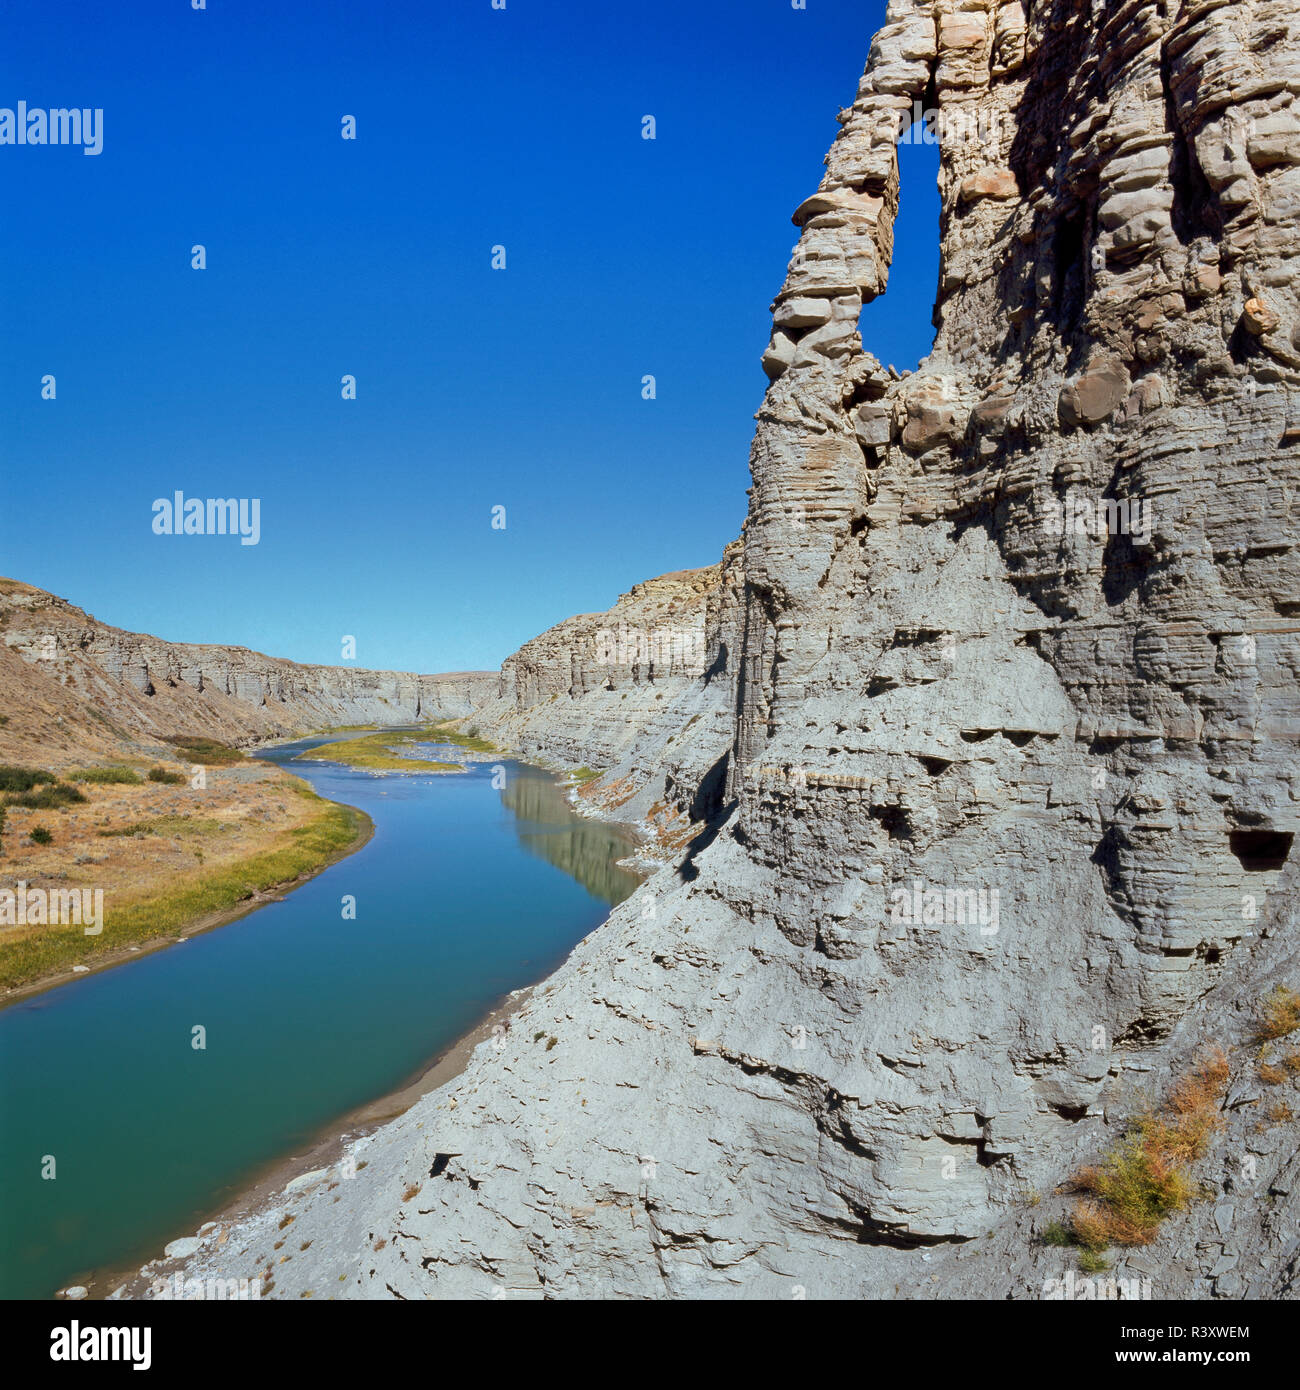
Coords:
pixel 1011 787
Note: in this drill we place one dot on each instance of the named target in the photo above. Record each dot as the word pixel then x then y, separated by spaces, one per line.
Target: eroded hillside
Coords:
pixel 72 688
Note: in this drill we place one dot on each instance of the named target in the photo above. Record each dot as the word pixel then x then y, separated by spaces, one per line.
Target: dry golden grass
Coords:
pixel 166 857
pixel 1091 1225
pixel 1147 1178
pixel 1279 1014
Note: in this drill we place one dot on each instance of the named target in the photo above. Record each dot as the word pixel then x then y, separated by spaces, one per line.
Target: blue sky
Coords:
pixel 476 387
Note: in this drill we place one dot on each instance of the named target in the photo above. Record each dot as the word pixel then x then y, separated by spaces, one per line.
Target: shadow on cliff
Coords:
pixel 1044 115
pixel 712 810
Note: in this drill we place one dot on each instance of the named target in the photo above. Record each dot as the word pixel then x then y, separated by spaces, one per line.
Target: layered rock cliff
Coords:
pixel 643 693
pixel 73 685
pixel 1019 629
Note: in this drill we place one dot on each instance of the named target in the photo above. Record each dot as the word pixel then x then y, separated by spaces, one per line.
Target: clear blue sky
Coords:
pixel 476 387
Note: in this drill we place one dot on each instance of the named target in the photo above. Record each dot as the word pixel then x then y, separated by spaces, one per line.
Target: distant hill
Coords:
pixel 73 688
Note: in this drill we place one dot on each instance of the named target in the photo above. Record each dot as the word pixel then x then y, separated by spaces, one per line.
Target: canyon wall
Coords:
pixel 74 687
pixel 1024 621
pixel 644 693
pixel 1017 629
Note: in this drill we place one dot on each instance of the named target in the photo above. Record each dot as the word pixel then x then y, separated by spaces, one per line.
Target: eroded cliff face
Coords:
pixel 1033 632
pixel 644 693
pixel 1019 628
pixel 63 664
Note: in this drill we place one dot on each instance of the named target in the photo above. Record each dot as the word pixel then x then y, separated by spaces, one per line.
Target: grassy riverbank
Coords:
pixel 170 860
pixel 382 751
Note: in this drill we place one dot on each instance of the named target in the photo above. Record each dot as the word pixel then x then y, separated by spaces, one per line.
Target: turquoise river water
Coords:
pixel 464 893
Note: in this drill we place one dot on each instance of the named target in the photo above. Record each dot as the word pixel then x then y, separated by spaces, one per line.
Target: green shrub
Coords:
pixel 160 774
pixel 47 798
pixel 40 835
pixel 22 779
pixel 206 750
pixel 124 776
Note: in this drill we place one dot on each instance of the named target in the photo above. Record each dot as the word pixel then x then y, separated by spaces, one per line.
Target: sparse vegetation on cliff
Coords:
pixel 1148 1176
pixel 1279 1014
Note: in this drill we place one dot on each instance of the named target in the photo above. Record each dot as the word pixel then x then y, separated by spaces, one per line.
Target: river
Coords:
pixel 466 891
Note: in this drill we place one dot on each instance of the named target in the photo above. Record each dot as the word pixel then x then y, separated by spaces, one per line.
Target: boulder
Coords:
pixel 1095 394
pixel 804 312
pixel 989 183
pixel 779 355
pixel 1257 318
pixel 934 417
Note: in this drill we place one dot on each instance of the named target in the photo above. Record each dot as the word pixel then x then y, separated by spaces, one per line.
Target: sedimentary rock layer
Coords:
pixel 643 693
